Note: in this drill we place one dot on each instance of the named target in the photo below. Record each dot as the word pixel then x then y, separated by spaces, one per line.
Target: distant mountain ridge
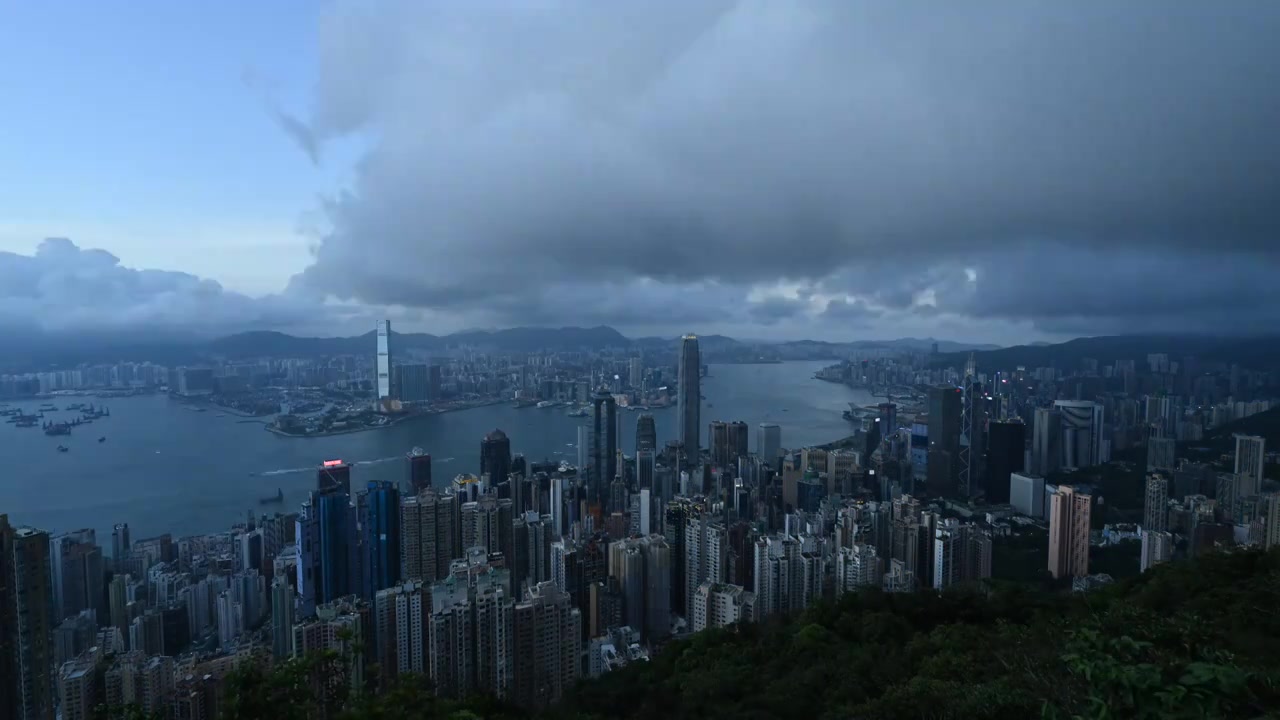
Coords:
pixel 1251 352
pixel 40 350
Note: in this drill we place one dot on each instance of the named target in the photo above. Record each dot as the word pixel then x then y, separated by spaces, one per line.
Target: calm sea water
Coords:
pixel 164 468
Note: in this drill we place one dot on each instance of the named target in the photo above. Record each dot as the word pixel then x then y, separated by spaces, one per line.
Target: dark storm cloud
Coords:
pixel 65 288
pixel 515 149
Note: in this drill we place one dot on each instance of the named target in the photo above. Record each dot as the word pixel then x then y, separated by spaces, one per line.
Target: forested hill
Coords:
pixel 1192 639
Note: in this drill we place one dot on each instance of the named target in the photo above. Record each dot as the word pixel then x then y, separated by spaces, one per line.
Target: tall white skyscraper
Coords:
pixel 384 359
pixel 1251 451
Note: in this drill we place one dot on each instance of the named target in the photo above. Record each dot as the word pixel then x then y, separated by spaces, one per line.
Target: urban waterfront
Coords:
pixel 165 467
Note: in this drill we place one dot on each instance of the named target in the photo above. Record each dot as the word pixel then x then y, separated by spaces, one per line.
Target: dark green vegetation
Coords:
pixel 1187 640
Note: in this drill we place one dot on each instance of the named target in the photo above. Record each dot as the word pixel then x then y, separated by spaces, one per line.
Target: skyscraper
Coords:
pixel 1069 533
pixel 120 545
pixel 414 382
pixel 1251 452
pixel 77 573
pixel 689 400
pixel 418 470
pixel 1155 511
pixel 646 433
pixel 1005 451
pixel 337 544
pixel 604 445
pixel 383 361
pixel 1083 441
pixel 380 528
pixel 1046 443
pixel 584 452
pixel 944 439
pixel 495 457
pixel 334 474
pixel 26 624
pixel 769 443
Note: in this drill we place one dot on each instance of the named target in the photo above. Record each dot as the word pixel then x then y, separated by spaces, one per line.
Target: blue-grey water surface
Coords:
pixel 165 468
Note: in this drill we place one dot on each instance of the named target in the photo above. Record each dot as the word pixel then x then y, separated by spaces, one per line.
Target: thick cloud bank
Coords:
pixel 65 288
pixel 1079 167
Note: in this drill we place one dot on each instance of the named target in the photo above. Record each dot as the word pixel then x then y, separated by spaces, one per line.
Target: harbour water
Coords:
pixel 165 467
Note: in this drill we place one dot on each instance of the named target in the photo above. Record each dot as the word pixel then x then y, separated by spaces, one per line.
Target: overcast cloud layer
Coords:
pixel 994 170
pixel 1082 167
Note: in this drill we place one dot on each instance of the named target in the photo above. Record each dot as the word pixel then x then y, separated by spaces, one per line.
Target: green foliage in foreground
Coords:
pixel 1187 640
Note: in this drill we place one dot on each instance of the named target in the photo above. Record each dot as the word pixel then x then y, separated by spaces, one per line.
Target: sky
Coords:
pixel 985 171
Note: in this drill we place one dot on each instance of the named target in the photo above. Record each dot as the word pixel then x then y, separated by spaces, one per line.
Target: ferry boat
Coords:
pixel 546 404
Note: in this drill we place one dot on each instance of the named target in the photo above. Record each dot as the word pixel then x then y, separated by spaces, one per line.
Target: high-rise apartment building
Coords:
pixel 718 605
pixel 1155 509
pixel 1251 451
pixel 546 646
pixel 1157 547
pixel 26 624
pixel 705 545
pixel 401 621
pixel 469 642
pixel 1162 453
pixel 642 567
pixel 779 575
pixel 282 616
pixel 1271 521
pixel 857 566
pixel 1069 513
pixel 427 535
pixel 689 400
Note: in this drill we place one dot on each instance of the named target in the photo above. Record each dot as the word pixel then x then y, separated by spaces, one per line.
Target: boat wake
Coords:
pixel 312 468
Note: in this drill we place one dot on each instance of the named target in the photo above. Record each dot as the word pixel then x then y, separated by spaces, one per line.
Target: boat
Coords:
pixel 57 429
pixel 102 439
pixel 580 412
pixel 545 404
pixel 522 403
pixel 277 498
pixel 63 448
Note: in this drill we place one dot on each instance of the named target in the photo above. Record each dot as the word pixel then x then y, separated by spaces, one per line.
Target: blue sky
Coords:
pixel 132 126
